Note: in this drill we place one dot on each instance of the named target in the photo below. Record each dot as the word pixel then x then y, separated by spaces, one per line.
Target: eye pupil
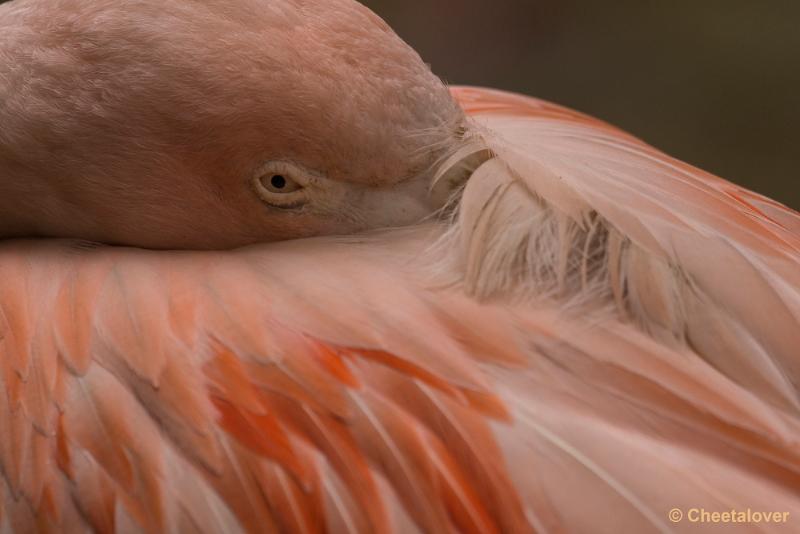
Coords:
pixel 278 181
pixel 279 186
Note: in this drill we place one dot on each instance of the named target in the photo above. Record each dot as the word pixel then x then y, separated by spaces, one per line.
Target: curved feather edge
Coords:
pixel 597 367
pixel 573 210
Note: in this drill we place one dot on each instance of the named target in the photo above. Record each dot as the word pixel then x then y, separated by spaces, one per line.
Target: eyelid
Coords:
pixel 297 179
pixel 289 185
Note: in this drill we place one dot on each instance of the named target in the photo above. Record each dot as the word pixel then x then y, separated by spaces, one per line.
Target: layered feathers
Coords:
pixel 599 334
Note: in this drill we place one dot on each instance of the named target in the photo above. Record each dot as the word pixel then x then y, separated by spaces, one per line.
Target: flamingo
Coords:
pixel 262 271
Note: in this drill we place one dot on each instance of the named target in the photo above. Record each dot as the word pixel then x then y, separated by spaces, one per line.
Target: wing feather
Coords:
pixel 673 240
pixel 608 327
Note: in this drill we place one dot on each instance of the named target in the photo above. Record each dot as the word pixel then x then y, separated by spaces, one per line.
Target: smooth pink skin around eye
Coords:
pixel 143 124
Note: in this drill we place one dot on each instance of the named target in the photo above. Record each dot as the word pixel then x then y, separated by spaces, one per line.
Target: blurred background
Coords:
pixel 713 82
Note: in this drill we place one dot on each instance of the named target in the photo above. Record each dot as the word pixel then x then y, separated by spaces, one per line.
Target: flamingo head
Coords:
pixel 215 124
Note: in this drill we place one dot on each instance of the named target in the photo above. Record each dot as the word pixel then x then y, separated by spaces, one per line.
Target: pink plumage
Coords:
pixel 460 310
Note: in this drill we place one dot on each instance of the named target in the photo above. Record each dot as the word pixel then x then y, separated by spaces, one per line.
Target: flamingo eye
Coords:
pixel 282 184
pixel 279 183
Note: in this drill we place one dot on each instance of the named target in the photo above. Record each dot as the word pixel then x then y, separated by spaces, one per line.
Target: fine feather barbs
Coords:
pixel 490 314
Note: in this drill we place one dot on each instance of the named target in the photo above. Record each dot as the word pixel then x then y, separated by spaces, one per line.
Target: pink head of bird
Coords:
pixel 173 124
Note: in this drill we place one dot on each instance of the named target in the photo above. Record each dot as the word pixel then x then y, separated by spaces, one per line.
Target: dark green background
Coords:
pixel 713 82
